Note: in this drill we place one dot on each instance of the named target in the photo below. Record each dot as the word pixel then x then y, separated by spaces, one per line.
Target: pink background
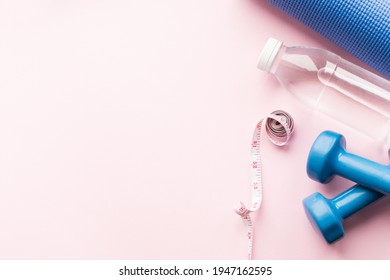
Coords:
pixel 126 128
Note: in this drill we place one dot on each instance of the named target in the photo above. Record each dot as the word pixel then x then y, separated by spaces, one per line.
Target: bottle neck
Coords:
pixel 276 60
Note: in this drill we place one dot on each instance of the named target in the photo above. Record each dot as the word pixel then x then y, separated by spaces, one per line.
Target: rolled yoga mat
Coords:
pixel 362 27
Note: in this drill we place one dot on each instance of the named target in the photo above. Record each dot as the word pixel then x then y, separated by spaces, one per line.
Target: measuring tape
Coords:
pixel 279 126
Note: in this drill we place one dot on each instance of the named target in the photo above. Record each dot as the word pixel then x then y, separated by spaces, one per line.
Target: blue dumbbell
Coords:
pixel 328 157
pixel 326 215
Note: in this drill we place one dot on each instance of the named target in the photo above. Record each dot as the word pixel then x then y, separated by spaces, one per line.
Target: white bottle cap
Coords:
pixel 268 54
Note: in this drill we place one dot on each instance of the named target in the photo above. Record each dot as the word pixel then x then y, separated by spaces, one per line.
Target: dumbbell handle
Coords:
pixel 363 171
pixel 354 199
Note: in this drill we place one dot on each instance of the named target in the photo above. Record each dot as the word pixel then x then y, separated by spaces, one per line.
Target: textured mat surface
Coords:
pixel 361 27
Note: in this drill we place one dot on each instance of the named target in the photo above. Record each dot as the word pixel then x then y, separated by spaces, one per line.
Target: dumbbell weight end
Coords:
pixel 326 215
pixel 328 157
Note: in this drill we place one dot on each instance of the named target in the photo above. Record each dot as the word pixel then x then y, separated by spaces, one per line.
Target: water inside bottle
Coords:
pixel 355 101
pixel 359 89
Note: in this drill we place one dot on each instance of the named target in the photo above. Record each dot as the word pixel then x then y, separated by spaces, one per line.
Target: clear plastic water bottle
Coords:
pixel 336 87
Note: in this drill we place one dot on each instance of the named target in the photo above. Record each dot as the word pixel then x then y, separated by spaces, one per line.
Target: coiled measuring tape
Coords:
pixel 279 126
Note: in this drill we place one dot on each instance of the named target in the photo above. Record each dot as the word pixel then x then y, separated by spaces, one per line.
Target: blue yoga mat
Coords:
pixel 362 27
